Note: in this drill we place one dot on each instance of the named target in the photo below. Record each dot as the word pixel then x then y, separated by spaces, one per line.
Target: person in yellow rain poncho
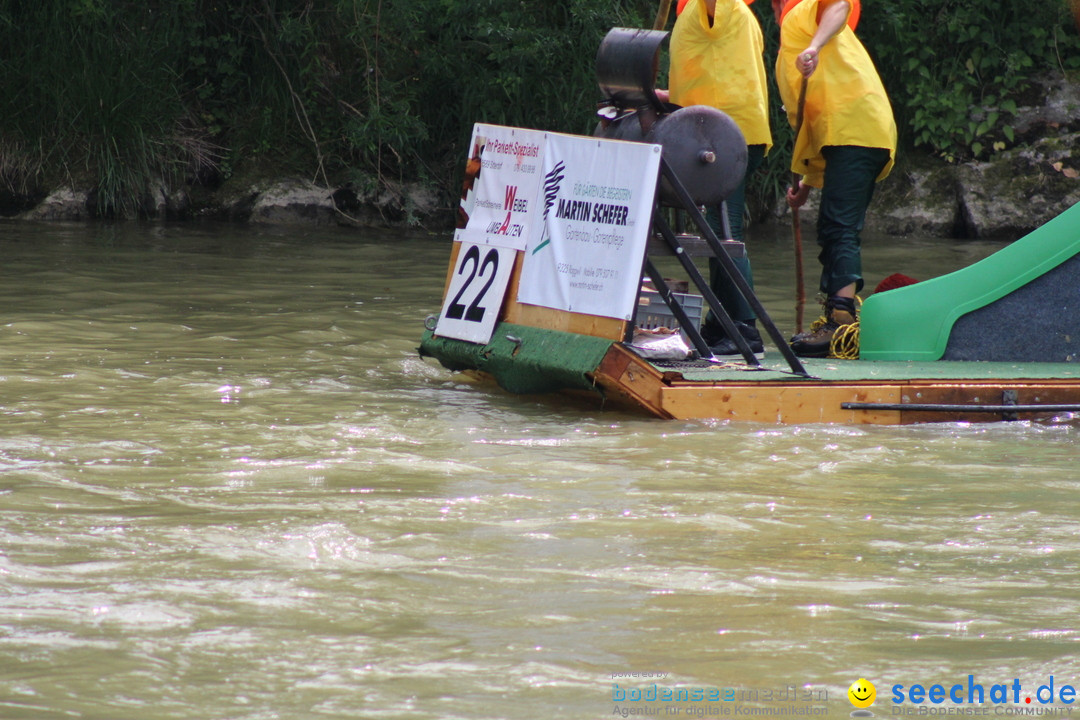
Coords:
pixel 846 144
pixel 717 60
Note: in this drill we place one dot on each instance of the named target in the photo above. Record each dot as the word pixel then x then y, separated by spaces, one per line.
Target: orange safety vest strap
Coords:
pixel 852 20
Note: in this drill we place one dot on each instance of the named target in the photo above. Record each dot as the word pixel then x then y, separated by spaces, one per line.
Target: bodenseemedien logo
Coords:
pixel 862 694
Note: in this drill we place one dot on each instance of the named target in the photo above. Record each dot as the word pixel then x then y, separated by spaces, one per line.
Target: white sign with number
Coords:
pixel 476 292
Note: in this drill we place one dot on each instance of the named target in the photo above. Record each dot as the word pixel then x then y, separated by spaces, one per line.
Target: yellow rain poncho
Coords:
pixel 721 66
pixel 846 103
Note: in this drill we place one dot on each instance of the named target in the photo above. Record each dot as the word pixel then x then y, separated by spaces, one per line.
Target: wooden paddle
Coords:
pixel 800 288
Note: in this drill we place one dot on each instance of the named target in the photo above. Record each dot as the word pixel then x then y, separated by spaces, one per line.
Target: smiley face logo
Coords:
pixel 862 693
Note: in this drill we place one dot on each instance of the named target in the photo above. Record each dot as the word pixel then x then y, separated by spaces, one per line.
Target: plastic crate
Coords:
pixel 653 312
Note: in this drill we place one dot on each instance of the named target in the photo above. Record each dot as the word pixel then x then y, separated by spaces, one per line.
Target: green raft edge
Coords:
pixel 524 360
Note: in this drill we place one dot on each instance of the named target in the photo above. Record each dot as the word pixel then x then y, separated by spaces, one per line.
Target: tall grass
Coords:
pixel 90 89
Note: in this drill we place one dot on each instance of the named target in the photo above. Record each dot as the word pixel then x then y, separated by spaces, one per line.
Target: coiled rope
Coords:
pixel 845 341
pixel 844 344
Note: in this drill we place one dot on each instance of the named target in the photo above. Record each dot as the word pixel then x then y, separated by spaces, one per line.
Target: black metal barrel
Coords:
pixel 702 145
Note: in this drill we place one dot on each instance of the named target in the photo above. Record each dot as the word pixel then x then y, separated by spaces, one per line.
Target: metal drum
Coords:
pixel 702 145
pixel 626 65
pixel 706 150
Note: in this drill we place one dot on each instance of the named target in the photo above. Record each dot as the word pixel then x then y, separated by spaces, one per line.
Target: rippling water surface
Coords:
pixel 230 489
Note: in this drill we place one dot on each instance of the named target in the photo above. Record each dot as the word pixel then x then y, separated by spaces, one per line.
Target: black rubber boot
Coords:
pixel 725 348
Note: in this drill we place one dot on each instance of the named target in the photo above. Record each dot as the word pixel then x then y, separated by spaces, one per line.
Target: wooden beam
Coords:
pixel 772 403
pixel 629 379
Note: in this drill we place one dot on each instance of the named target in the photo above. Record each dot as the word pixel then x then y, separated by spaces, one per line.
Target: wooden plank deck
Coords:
pixel 773 394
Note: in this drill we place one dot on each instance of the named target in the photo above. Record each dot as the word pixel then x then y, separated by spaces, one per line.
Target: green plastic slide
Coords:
pixel 914 322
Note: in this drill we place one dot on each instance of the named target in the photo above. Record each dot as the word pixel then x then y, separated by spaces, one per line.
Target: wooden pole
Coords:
pixel 662 14
pixel 800 288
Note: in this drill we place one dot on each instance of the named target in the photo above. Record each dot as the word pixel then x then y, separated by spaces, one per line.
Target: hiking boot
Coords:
pixel 815 343
pixel 724 348
pixel 821 320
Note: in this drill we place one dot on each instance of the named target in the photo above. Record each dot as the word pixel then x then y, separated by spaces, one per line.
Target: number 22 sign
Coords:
pixel 476 292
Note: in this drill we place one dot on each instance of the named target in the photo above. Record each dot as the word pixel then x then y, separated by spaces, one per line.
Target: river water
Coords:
pixel 229 488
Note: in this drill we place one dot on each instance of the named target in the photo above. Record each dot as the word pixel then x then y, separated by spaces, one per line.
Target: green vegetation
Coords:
pixel 956 72
pixel 127 96
pixel 132 96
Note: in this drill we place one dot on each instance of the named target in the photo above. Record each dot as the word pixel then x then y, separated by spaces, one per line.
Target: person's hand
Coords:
pixel 807 61
pixel 796 196
pixel 662 95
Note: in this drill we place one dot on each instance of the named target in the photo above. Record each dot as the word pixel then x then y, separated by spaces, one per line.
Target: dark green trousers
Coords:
pixel 850 174
pixel 730 298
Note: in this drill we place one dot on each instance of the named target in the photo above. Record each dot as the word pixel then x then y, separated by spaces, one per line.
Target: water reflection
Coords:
pixel 230 488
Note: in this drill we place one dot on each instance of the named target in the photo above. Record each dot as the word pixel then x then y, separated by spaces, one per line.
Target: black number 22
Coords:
pixel 475 311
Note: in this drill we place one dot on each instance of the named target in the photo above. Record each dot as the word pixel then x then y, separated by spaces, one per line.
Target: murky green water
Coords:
pixel 230 489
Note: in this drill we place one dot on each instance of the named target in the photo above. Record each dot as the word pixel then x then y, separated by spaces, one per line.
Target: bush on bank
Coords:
pixel 131 96
pixel 956 73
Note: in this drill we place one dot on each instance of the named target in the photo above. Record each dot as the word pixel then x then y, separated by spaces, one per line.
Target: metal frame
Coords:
pixel 686 203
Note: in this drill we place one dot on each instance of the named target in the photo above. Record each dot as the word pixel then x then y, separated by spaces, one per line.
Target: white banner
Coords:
pixel 596 201
pixel 502 175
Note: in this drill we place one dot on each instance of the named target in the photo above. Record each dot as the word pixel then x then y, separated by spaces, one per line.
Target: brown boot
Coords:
pixel 815 344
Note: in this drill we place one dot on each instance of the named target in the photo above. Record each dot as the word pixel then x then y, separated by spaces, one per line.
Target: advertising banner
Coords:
pixel 596 208
pixel 494 220
pixel 502 175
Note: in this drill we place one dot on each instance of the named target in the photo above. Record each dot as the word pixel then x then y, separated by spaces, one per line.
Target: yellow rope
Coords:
pixel 845 342
pixel 817 324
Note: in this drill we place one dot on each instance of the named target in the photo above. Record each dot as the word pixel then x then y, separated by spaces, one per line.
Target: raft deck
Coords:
pixel 524 359
pixel 842 391
pixel 547 304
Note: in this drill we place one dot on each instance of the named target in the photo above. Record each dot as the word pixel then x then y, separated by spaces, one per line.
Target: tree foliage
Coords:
pixel 124 94
pixel 957 71
pixel 128 95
